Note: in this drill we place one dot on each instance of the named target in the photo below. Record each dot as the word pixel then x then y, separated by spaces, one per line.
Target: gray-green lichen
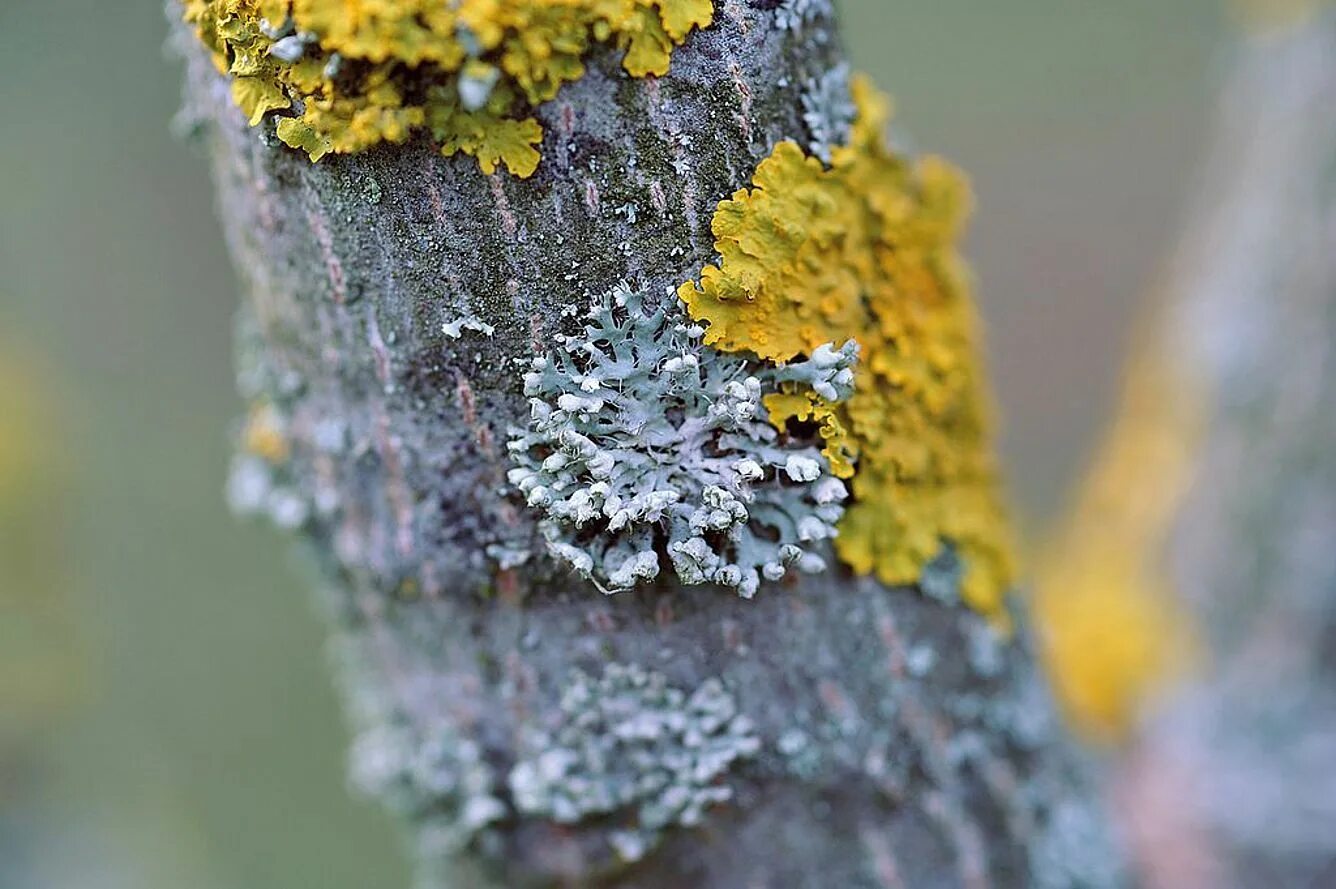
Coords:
pixel 632 746
pixel 642 441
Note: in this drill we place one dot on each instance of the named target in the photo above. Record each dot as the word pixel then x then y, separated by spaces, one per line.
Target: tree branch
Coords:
pixel 832 731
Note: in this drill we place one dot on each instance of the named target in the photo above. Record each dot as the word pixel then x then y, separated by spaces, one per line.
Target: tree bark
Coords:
pixel 1232 782
pixel 860 735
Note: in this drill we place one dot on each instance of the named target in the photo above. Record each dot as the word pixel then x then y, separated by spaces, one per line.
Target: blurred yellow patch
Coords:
pixel 38 662
pixel 1268 14
pixel 264 435
pixel 1111 630
pixel 866 248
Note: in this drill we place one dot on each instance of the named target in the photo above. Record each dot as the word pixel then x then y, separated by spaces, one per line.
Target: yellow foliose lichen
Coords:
pixel 1110 628
pixel 866 248
pixel 358 73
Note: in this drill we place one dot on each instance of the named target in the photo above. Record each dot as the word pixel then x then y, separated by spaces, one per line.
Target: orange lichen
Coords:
pixel 357 74
pixel 1110 630
pixel 866 248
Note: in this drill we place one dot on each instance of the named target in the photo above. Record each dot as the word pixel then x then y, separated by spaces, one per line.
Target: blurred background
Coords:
pixel 166 719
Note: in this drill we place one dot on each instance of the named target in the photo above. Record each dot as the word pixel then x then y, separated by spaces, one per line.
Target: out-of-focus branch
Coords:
pixel 1220 479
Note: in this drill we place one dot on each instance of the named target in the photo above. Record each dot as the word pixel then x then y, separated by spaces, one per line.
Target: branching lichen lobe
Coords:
pixel 865 248
pixel 354 75
pixel 642 441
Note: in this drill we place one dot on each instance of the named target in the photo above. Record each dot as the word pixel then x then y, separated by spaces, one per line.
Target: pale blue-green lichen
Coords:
pixel 636 749
pixel 828 110
pixel 260 482
pixel 256 489
pixel 642 441
pixel 794 15
pixel 1074 849
pixel 435 777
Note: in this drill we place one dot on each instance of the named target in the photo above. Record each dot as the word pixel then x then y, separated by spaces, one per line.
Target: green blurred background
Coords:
pixel 165 716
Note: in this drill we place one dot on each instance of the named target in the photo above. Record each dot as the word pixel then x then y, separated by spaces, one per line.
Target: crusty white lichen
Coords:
pixel 643 442
pixel 455 329
pixel 633 747
pixel 828 110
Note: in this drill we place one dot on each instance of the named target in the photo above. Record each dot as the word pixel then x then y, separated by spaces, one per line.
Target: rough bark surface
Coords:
pixel 1234 782
pixel 879 737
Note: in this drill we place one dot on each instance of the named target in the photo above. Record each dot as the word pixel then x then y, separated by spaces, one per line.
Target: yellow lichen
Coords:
pixel 264 435
pixel 1110 629
pixel 866 248
pixel 808 407
pixel 356 73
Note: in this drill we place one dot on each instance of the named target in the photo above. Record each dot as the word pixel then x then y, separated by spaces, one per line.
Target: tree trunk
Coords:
pixel 832 731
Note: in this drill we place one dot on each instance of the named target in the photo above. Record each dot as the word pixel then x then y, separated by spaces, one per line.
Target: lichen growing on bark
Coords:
pixel 633 747
pixel 866 248
pixel 433 776
pixel 828 110
pixel 352 75
pixel 794 15
pixel 642 442
pixel 259 481
pixel 357 302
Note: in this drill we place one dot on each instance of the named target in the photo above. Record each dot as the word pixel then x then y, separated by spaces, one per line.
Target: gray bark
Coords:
pixel 1233 783
pixel 887 737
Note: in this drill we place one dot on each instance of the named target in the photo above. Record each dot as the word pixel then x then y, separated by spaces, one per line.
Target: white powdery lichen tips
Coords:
pixel 643 442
